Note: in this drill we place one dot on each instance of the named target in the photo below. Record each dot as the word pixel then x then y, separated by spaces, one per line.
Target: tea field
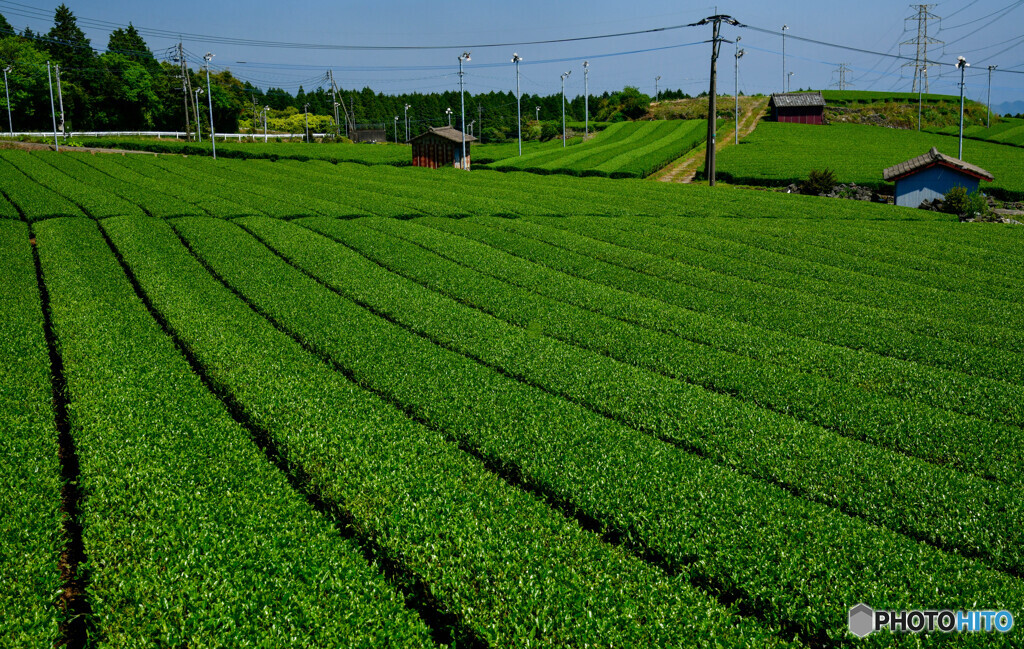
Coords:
pixel 624 150
pixel 780 154
pixel 311 404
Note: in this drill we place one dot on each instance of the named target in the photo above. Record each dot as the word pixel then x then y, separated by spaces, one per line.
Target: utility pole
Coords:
pixel 334 100
pixel 10 122
pixel 586 100
pixel 739 55
pixel 921 43
pixel 564 77
pixel 988 121
pixel 266 112
pixel 716 47
pixel 186 86
pixel 407 107
pixel 462 94
pixel 60 95
pixel 519 103
pixel 209 101
pixel 657 93
pixel 305 112
pixel 962 64
pixel 53 111
pixel 480 118
pixel 785 28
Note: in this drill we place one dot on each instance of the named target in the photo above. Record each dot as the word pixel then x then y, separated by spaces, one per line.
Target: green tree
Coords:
pixel 129 43
pixel 30 101
pixel 5 28
pixel 130 101
pixel 68 44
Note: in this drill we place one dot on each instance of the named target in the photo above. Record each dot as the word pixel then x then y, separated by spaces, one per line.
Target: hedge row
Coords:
pixel 31 522
pixel 511 569
pixel 33 201
pixel 191 536
pixel 798 564
pixel 873 374
pixel 849 475
pixel 585 250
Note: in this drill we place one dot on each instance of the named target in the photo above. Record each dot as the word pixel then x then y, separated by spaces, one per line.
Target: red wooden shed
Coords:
pixel 798 108
pixel 440 147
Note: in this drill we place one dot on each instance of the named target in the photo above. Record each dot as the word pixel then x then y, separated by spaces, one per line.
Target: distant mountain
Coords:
pixel 1009 108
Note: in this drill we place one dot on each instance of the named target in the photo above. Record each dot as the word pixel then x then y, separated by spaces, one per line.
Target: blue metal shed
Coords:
pixel 930 176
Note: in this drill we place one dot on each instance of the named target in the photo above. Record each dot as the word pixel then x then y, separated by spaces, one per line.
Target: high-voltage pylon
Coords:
pixel 921 43
pixel 842 71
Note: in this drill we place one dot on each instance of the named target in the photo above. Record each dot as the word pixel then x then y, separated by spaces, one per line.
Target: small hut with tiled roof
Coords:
pixel 798 108
pixel 930 176
pixel 441 147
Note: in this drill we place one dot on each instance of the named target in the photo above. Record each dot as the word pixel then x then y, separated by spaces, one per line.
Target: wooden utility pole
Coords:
pixel 716 46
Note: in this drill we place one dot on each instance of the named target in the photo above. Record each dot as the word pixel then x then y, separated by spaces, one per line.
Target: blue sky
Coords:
pixel 986 31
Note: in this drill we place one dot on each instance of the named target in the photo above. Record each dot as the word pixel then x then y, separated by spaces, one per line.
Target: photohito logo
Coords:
pixel 864 621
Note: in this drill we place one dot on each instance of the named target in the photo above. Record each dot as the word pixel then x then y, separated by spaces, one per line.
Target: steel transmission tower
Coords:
pixel 842 72
pixel 921 43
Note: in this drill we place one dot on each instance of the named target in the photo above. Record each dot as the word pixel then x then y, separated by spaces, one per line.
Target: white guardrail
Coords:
pixel 168 134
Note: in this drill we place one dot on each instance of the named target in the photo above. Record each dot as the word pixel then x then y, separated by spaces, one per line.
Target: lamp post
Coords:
pixel 519 103
pixel 920 99
pixel 462 95
pixel 962 65
pixel 564 77
pixel 266 113
pixel 657 93
pixel 396 129
pixel 209 101
pixel 739 55
pixel 199 132
pixel 448 112
pixel 10 122
pixel 784 29
pixel 789 86
pixel 305 112
pixel 407 107
pixel 586 99
pixel 538 113
pixel 988 121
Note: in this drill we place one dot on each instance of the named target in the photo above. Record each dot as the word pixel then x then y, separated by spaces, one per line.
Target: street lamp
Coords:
pixel 305 112
pixel 784 29
pixel 199 131
pixel 448 112
pixel 564 77
pixel 396 129
pixel 962 65
pixel 209 100
pixel 407 107
pixel 266 112
pixel 657 93
pixel 586 99
pixel 471 124
pixel 519 103
pixel 538 113
pixel 10 122
pixel 739 55
pixel 462 95
pixel 789 87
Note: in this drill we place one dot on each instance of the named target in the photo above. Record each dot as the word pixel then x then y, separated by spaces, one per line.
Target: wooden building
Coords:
pixel 798 108
pixel 930 176
pixel 441 147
